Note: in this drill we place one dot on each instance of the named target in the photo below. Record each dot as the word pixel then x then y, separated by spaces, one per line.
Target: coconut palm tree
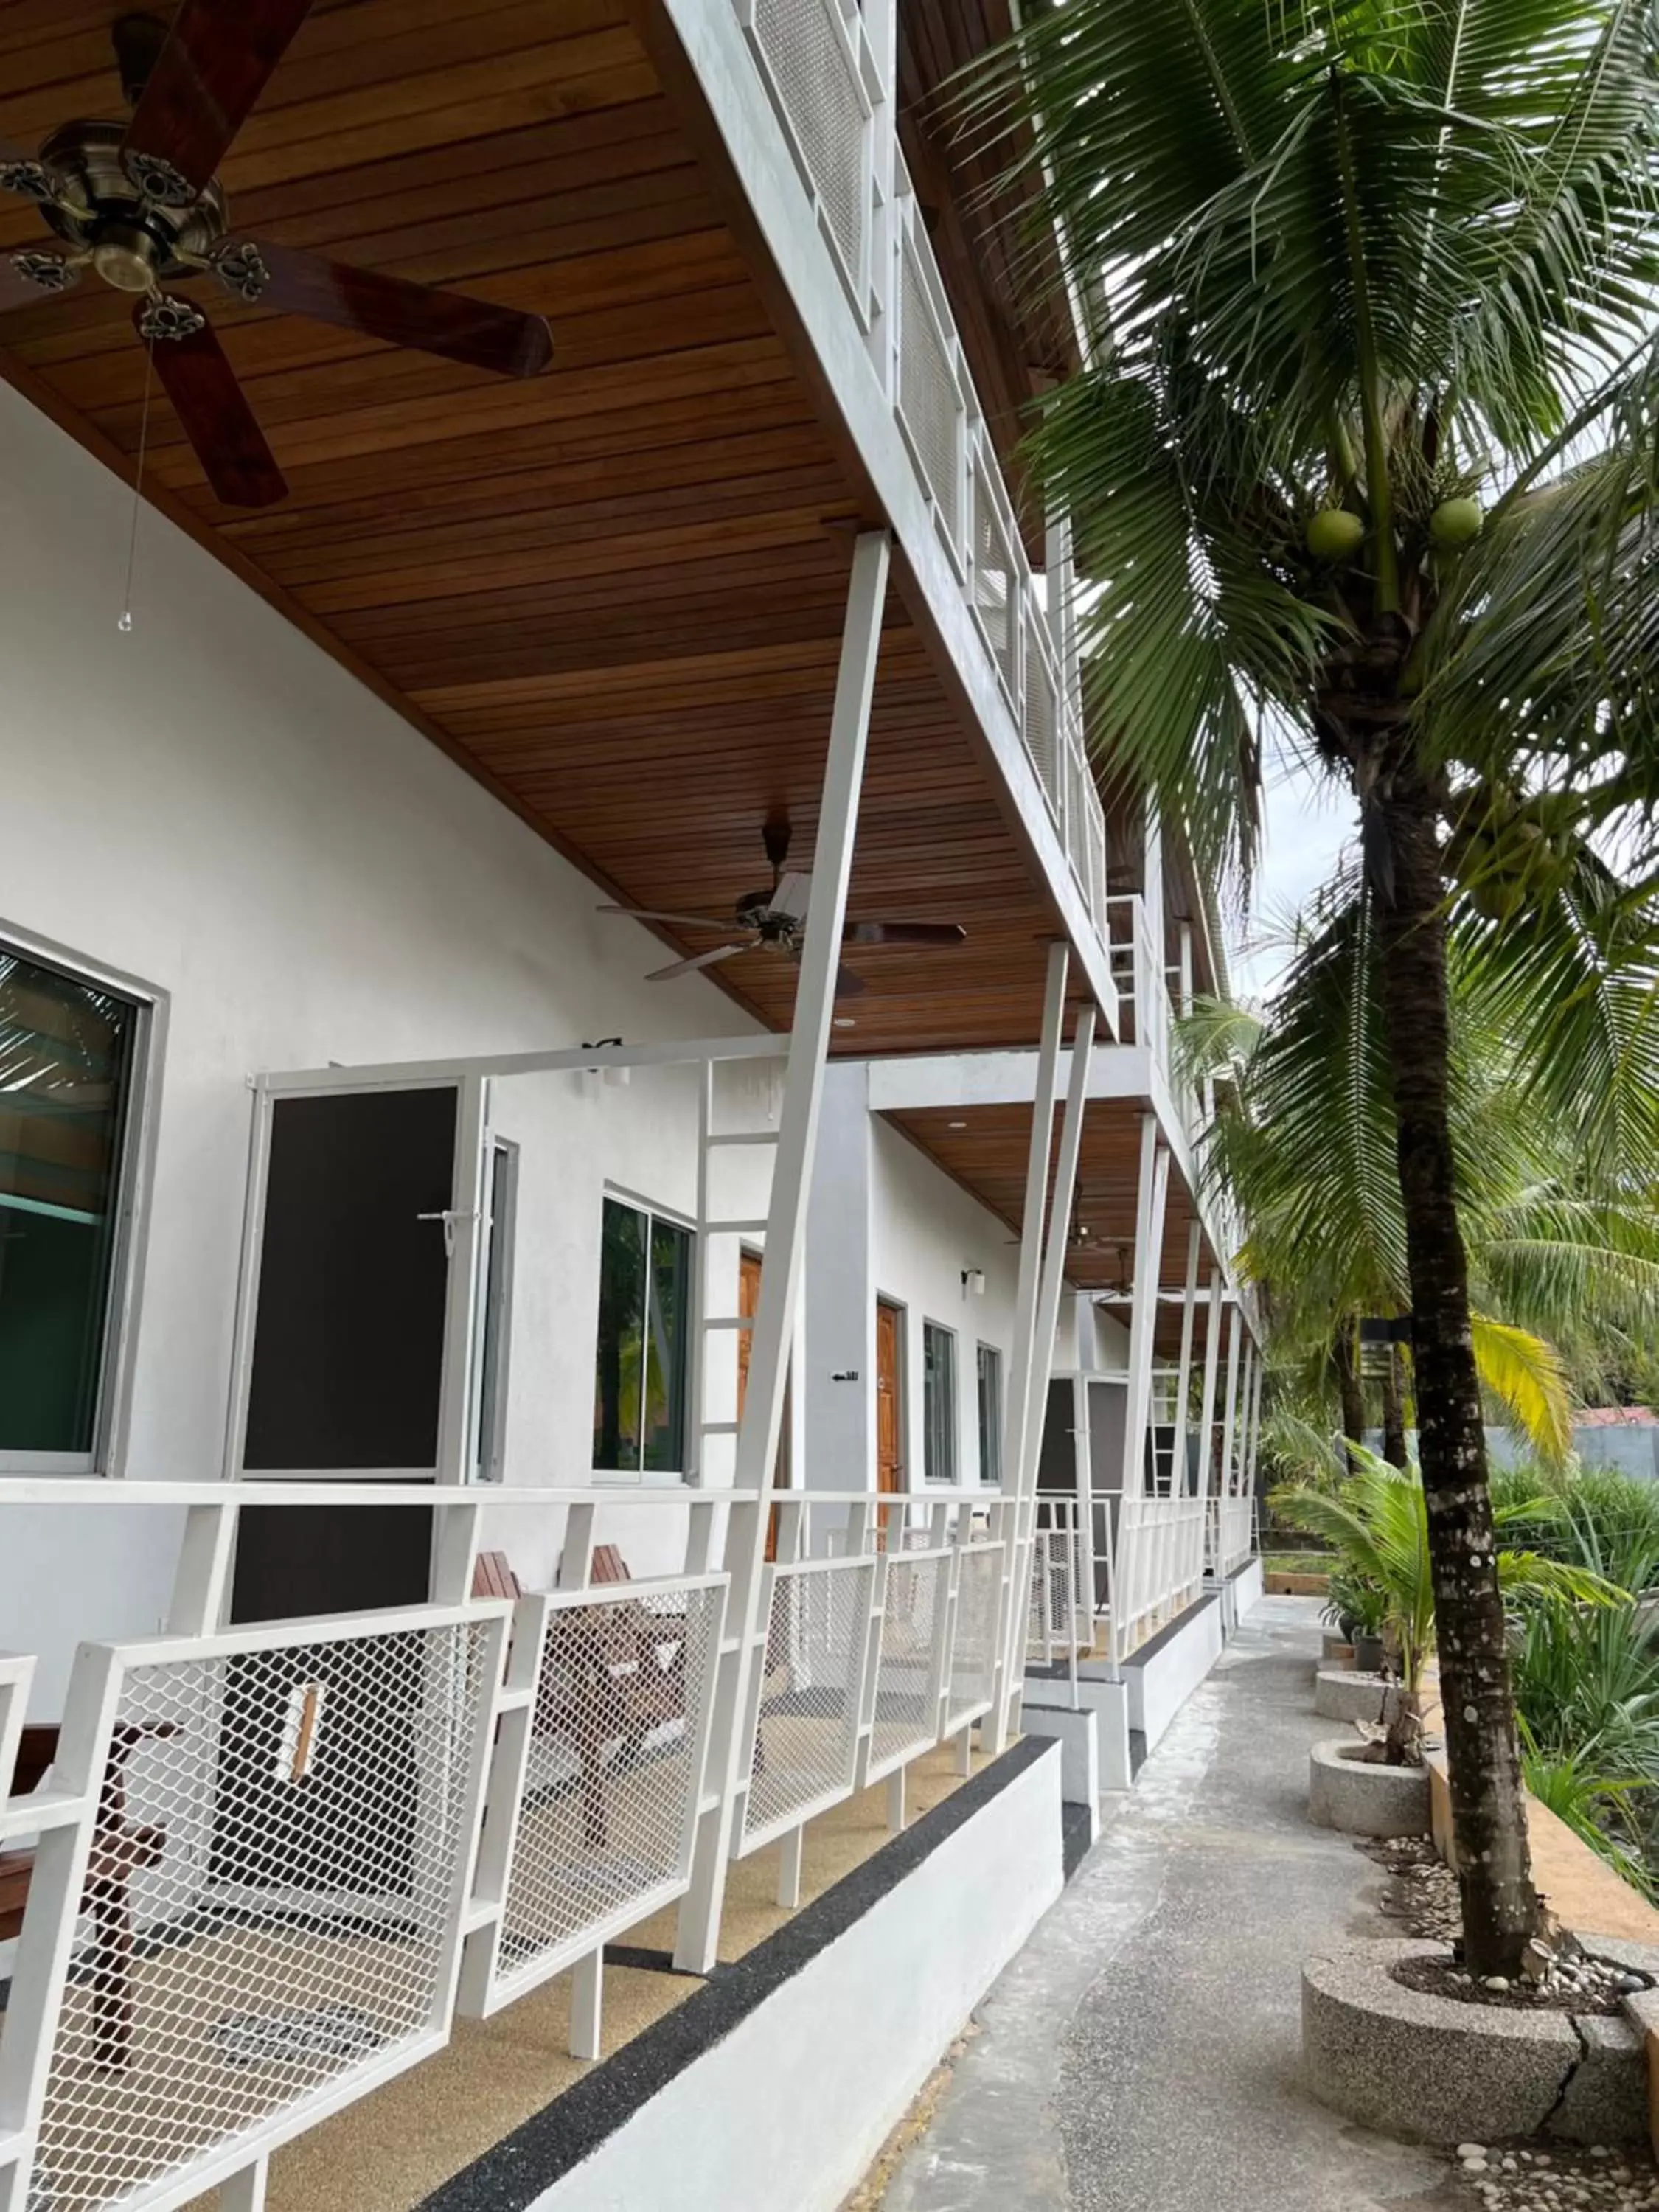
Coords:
pixel 1562 1234
pixel 1356 276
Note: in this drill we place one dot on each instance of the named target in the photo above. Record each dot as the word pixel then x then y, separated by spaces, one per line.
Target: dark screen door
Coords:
pixel 350 1328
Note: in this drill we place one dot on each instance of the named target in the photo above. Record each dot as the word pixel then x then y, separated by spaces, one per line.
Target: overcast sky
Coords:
pixel 1306 821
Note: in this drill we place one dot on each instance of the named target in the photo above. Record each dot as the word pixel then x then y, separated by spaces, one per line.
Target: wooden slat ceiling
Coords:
pixel 984 1148
pixel 614 593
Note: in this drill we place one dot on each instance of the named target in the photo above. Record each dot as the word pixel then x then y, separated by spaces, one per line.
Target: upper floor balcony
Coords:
pixel 612 592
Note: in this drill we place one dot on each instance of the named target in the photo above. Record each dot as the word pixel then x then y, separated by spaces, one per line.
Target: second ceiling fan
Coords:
pixel 774 920
pixel 139 204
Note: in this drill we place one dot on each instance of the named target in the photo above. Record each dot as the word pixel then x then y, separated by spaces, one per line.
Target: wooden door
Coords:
pixel 749 1282
pixel 890 1407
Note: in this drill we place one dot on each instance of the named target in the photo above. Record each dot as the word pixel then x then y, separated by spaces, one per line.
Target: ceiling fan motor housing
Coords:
pixel 136 241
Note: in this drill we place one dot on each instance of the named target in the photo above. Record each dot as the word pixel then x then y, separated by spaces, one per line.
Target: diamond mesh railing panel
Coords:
pixel 1040 1635
pixel 973 1643
pixel 814 72
pixel 995 579
pixel 930 399
pixel 611 1777
pixel 806 1741
pixel 906 1684
pixel 270 1899
pixel 1041 725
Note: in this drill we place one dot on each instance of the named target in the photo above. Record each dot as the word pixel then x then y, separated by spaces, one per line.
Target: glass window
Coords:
pixel 640 1381
pixel 68 1049
pixel 939 1403
pixel 990 1413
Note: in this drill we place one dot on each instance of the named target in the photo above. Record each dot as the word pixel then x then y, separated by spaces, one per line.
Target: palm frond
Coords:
pixel 1525 1375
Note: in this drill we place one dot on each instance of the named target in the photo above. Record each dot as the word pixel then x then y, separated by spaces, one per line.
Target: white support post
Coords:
pixel 455 1552
pixel 587 2004
pixel 1229 1418
pixel 1151 1190
pixel 1005 1715
pixel 1083 1535
pixel 1253 1432
pixel 773 1332
pixel 1043 1101
pixel 1184 1367
pixel 1022 1350
pixel 201 1579
pixel 789 1862
pixel 896 1799
pixel 246 2192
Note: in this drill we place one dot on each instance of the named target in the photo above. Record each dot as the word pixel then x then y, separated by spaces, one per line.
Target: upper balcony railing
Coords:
pixel 824 80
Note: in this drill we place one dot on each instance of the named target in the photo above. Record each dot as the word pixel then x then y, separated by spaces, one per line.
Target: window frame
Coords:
pixel 670 1217
pixel 988 1366
pixel 134 1184
pixel 952 1434
pixel 487 1455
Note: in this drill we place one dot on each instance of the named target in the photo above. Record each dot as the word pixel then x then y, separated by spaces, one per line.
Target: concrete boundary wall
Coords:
pixel 815 2043
pixel 1163 1674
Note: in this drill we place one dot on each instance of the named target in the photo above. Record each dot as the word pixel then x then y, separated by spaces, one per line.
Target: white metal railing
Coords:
pixel 1231 1533
pixel 1159 1564
pixel 824 82
pixel 1060 1622
pixel 594 1786
pixel 272 1864
pixel 248 1897
pixel 1144 980
pixel 876 1650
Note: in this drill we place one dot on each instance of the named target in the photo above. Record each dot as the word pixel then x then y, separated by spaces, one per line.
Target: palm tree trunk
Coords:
pixel 1345 1354
pixel 1500 1906
pixel 1394 1412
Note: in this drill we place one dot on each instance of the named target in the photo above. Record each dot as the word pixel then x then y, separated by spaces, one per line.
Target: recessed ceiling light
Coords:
pixel 843 1021
pixel 958 1125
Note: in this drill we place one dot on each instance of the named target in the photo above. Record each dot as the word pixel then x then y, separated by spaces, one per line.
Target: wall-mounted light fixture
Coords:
pixel 973 1281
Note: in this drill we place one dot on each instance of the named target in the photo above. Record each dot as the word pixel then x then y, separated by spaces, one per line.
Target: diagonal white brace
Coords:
pixel 773 1332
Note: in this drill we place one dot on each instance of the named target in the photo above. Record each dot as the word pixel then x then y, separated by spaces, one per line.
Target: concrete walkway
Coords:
pixel 1140 2054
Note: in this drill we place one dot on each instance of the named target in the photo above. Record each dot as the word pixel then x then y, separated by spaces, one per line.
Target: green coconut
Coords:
pixel 1456 521
pixel 1334 534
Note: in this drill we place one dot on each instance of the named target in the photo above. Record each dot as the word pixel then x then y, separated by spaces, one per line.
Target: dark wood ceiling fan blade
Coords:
pixel 398 313
pixel 216 61
pixel 847 985
pixel 139 41
pixel 904 933
pixel 215 416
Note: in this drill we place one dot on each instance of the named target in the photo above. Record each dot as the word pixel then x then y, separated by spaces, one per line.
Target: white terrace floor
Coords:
pixel 1140 2054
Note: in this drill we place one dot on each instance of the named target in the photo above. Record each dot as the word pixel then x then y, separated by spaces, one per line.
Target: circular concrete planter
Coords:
pixel 1363 1798
pixel 1428 2069
pixel 1342 1695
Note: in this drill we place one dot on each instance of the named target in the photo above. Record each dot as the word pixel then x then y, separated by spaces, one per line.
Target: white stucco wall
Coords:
pixel 211 807
pixel 927 1232
pixel 829 2063
pixel 887 1222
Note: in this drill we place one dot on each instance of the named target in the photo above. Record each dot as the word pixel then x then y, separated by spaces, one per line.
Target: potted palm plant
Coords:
pixel 1358 1610
pixel 1377 1523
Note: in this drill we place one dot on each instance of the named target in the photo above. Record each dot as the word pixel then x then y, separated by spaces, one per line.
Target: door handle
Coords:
pixel 449 1215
